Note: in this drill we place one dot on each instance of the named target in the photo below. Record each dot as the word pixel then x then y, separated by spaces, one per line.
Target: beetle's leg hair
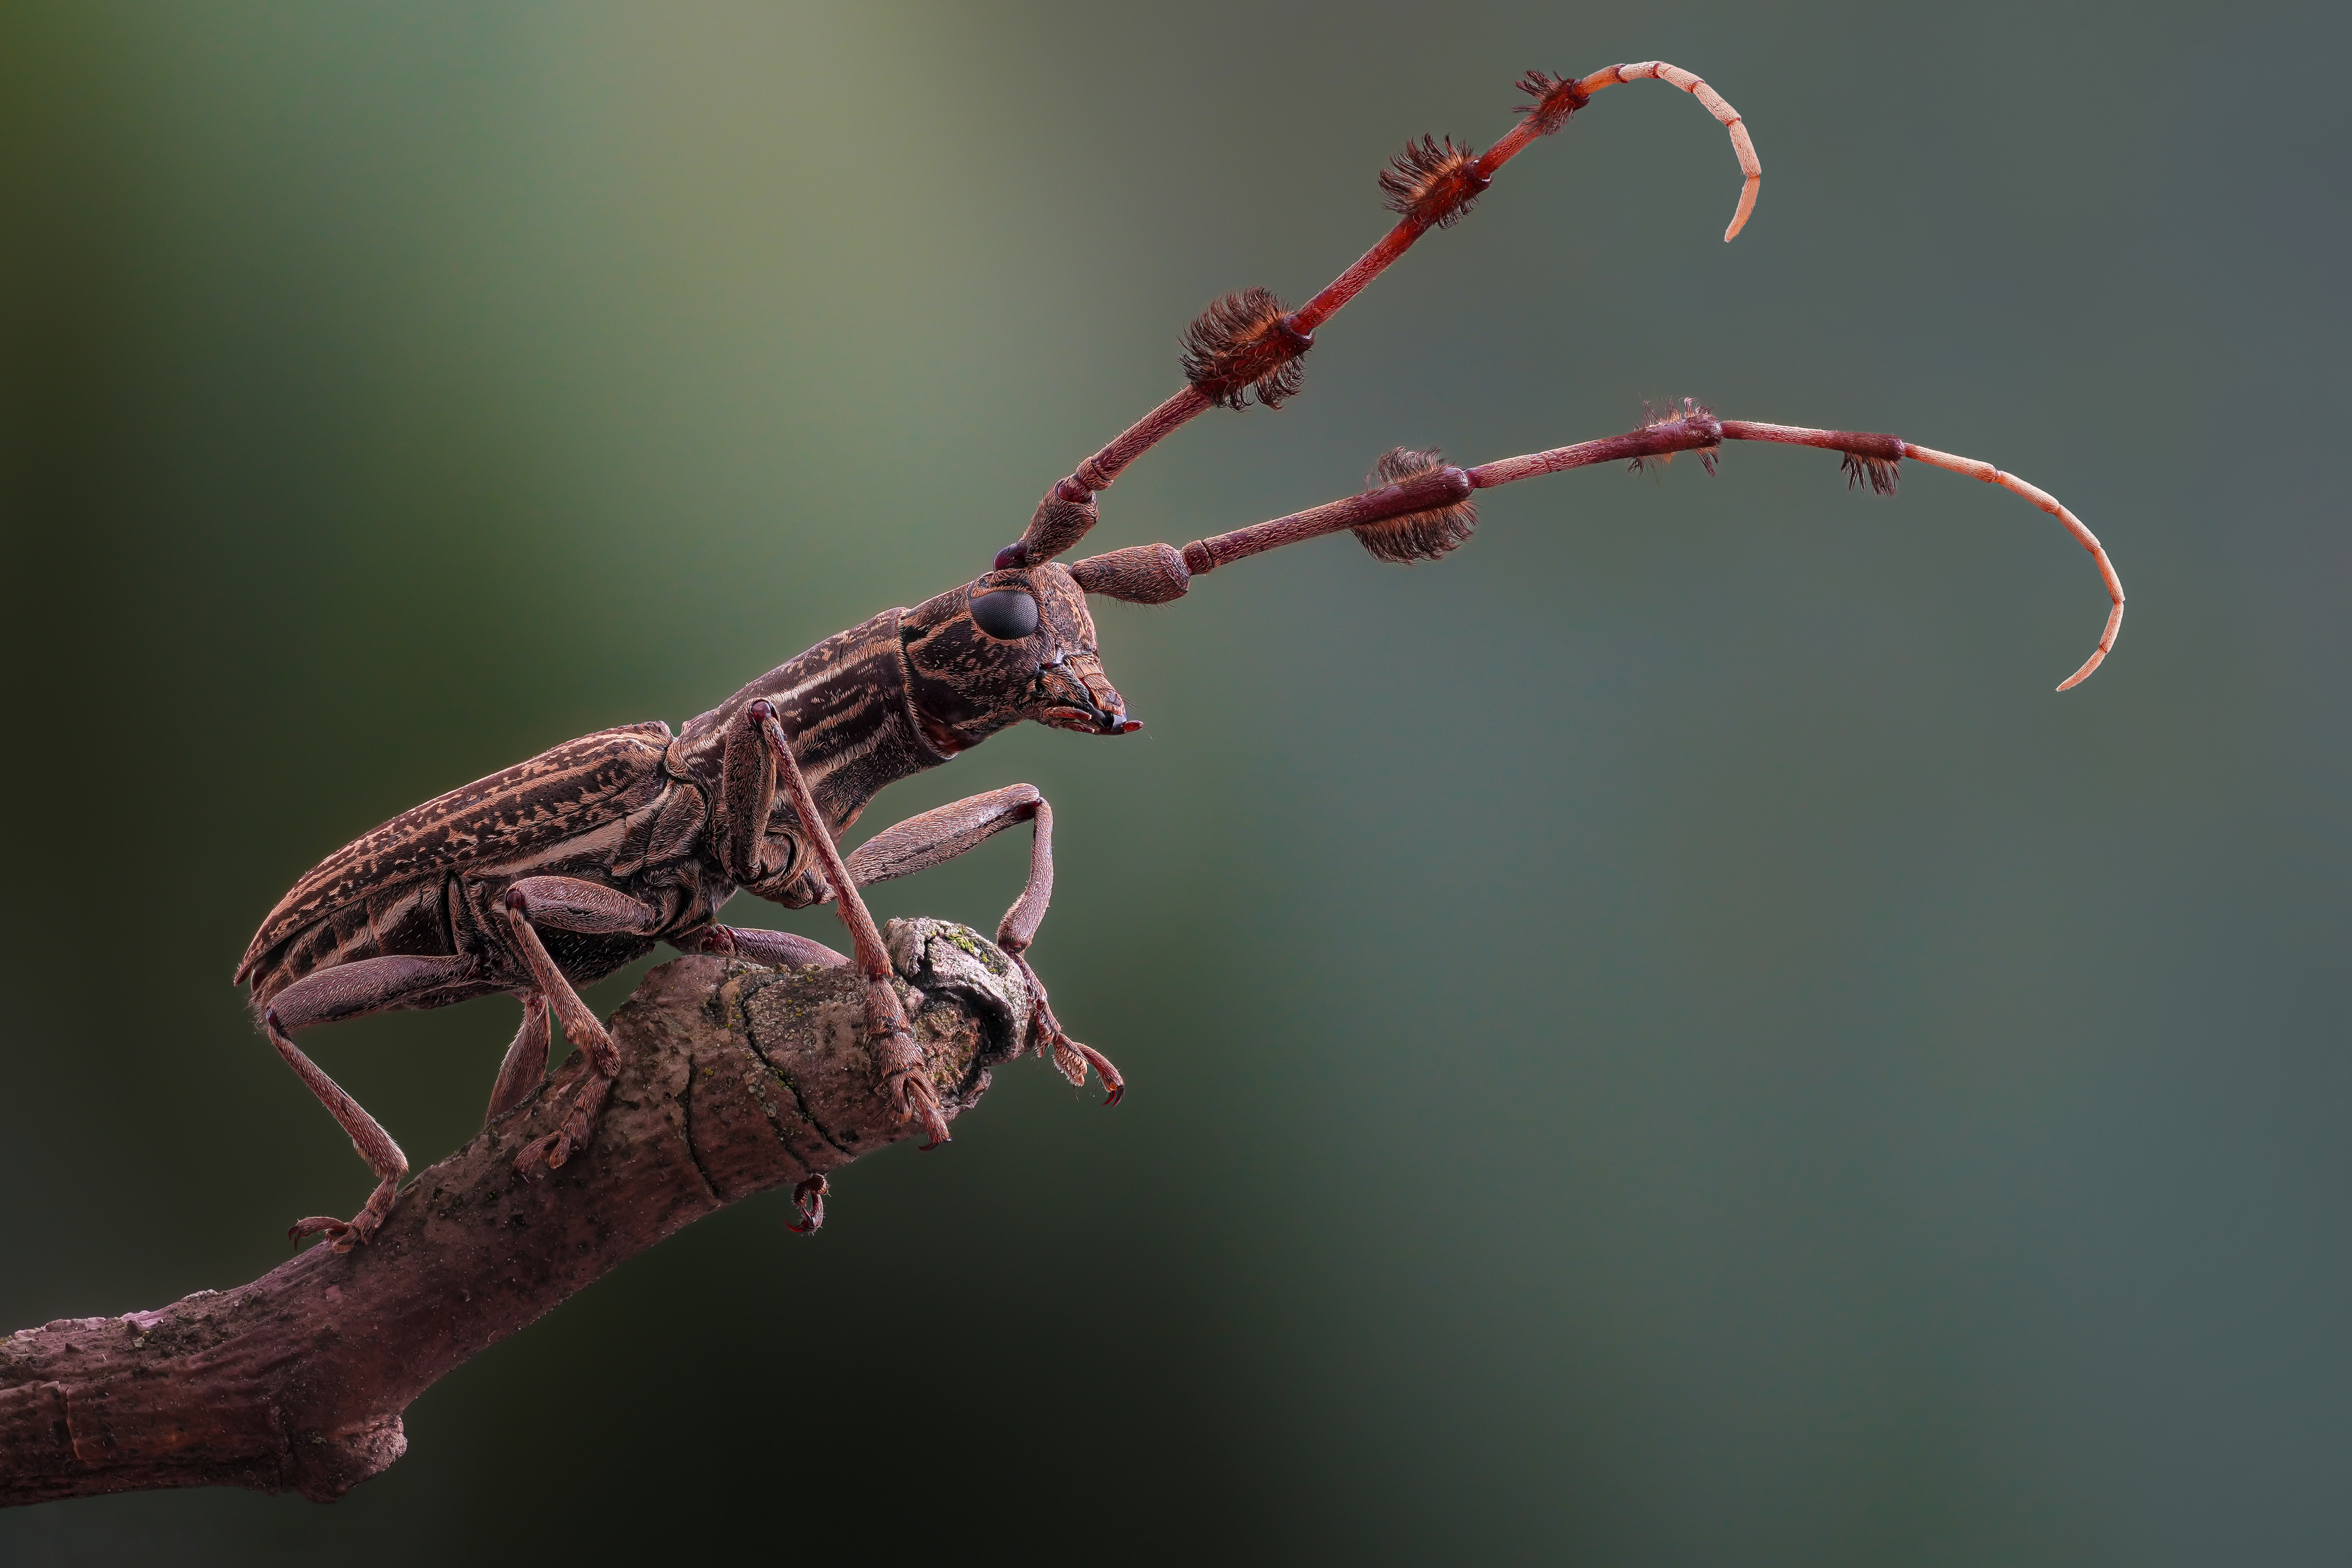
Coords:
pixel 939 836
pixel 526 1064
pixel 349 990
pixel 565 903
pixel 899 1061
pixel 779 949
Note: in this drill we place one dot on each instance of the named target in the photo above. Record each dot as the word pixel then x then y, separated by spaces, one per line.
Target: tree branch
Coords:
pixel 734 1079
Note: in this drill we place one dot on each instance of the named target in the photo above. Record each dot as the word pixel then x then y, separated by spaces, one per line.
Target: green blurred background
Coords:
pixel 1658 1040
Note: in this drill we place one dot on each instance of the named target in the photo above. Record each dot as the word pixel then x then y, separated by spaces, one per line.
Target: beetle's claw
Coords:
pixel 808 1196
pixel 922 1101
pixel 902 1071
pixel 338 1231
pixel 550 1147
pixel 1103 1069
pixel 1075 1056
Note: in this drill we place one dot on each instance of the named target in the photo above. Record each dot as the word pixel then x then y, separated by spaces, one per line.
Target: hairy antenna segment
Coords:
pixel 1247 346
pixel 1425 491
pixel 1415 536
pixel 1059 522
pixel 1432 184
pixel 1878 473
pixel 1690 416
pixel 1555 98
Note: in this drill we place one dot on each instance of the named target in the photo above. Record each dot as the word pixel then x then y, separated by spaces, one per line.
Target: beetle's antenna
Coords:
pixel 1877 455
pixel 1422 488
pixel 1245 347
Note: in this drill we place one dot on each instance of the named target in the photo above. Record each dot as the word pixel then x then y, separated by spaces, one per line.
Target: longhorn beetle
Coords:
pixel 562 868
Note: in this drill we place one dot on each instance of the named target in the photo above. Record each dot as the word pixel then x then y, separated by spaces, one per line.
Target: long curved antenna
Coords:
pixel 1742 148
pixel 1246 346
pixel 1425 508
pixel 1851 443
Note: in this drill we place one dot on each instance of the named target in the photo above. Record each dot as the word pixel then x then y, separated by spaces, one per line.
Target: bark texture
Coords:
pixel 735 1078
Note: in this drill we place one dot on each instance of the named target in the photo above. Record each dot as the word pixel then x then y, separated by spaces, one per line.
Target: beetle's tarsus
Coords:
pixel 570 1135
pixel 539 1149
pixel 343 1234
pixel 1071 1057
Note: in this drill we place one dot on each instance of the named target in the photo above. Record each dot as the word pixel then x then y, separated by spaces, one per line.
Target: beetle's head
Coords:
pixel 1008 645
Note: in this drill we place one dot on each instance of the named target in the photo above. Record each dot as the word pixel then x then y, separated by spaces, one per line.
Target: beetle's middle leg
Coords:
pixel 939 836
pixel 566 903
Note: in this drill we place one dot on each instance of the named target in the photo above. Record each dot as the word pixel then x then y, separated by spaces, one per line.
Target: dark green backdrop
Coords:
pixel 1659 1040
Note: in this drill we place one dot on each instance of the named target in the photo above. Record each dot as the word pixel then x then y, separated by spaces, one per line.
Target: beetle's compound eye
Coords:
pixel 1006 614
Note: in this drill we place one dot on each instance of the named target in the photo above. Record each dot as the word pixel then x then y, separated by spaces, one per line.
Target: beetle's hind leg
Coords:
pixel 566 903
pixel 348 991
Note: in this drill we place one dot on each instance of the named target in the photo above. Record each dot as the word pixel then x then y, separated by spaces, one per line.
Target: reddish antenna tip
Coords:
pixel 1012 558
pixel 1246 344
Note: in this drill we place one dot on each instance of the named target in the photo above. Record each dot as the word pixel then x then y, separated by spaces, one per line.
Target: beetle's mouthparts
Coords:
pixel 1109 722
pixel 1079 696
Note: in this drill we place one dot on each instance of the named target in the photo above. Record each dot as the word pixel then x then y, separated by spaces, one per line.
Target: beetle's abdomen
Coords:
pixel 409 919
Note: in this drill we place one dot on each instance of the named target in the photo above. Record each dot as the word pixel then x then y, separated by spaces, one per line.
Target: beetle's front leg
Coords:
pixel 939 836
pixel 566 903
pixel 750 787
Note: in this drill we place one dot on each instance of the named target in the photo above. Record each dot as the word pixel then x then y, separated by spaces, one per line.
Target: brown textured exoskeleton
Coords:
pixel 562 868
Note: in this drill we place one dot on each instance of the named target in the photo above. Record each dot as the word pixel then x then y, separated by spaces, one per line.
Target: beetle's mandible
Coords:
pixel 561 869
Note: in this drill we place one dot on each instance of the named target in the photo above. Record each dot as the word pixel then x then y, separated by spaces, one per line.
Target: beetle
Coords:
pixel 561 869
